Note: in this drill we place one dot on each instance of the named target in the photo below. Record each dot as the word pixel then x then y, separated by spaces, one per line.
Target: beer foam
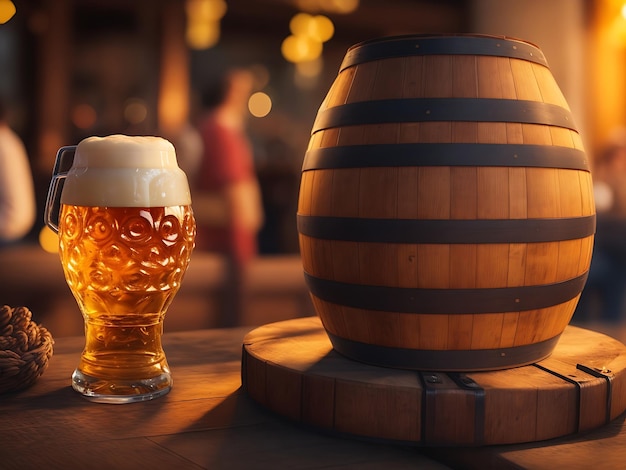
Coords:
pixel 125 171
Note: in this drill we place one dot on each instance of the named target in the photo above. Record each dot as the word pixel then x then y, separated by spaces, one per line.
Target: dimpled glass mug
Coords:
pixel 122 209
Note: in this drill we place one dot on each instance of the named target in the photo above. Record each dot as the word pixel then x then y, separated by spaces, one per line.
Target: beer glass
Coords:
pixel 122 209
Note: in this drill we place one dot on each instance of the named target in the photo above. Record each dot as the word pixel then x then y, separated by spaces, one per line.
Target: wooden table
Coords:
pixel 206 421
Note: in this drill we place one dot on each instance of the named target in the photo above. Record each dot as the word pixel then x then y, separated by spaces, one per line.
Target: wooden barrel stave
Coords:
pixel 444 76
pixel 445 332
pixel 435 191
pixel 421 266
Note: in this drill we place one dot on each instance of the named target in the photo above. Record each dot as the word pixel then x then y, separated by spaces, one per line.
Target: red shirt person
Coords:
pixel 225 192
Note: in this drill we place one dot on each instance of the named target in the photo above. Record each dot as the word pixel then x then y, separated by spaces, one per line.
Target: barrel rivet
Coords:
pixel 517 301
pixel 428 111
pixel 433 379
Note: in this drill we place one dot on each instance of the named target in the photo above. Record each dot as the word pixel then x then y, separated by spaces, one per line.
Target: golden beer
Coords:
pixel 126 233
pixel 124 266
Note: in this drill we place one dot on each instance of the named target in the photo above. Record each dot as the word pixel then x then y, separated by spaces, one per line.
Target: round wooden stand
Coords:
pixel 290 368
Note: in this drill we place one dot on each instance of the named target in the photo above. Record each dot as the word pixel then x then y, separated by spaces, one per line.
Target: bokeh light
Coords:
pixel 203 35
pixel 342 7
pixel 203 22
pixel 205 10
pixel 300 48
pixel 321 28
pixel 309 32
pixel 318 27
pixel 299 24
pixel 48 240
pixel 135 111
pixel 7 10
pixel 84 116
pixel 259 104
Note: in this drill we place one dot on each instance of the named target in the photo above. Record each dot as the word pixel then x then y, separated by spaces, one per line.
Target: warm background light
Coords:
pixel 174 89
pixel 203 35
pixel 332 6
pixel 135 111
pixel 309 32
pixel 7 10
pixel 340 6
pixel 299 24
pixel 48 240
pixel 300 48
pixel 205 10
pixel 318 27
pixel 605 74
pixel 203 22
pixel 309 69
pixel 259 104
pixel 321 28
pixel 84 116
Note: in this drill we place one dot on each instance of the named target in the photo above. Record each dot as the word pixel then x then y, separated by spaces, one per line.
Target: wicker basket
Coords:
pixel 25 349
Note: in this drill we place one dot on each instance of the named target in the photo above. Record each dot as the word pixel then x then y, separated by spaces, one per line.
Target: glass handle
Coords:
pixel 62 164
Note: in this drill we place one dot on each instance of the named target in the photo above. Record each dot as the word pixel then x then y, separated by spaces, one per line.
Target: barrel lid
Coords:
pixel 453 44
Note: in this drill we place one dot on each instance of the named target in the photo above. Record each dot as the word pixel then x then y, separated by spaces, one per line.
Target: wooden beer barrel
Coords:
pixel 445 214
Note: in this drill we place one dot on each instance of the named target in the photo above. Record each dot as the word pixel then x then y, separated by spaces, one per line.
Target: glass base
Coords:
pixel 121 391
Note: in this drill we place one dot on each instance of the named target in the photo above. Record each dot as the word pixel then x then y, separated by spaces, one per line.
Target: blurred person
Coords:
pixel 225 190
pixel 606 283
pixel 17 194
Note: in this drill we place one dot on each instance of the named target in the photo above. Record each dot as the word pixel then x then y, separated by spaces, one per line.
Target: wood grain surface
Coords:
pixel 291 368
pixel 205 422
pixel 423 188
